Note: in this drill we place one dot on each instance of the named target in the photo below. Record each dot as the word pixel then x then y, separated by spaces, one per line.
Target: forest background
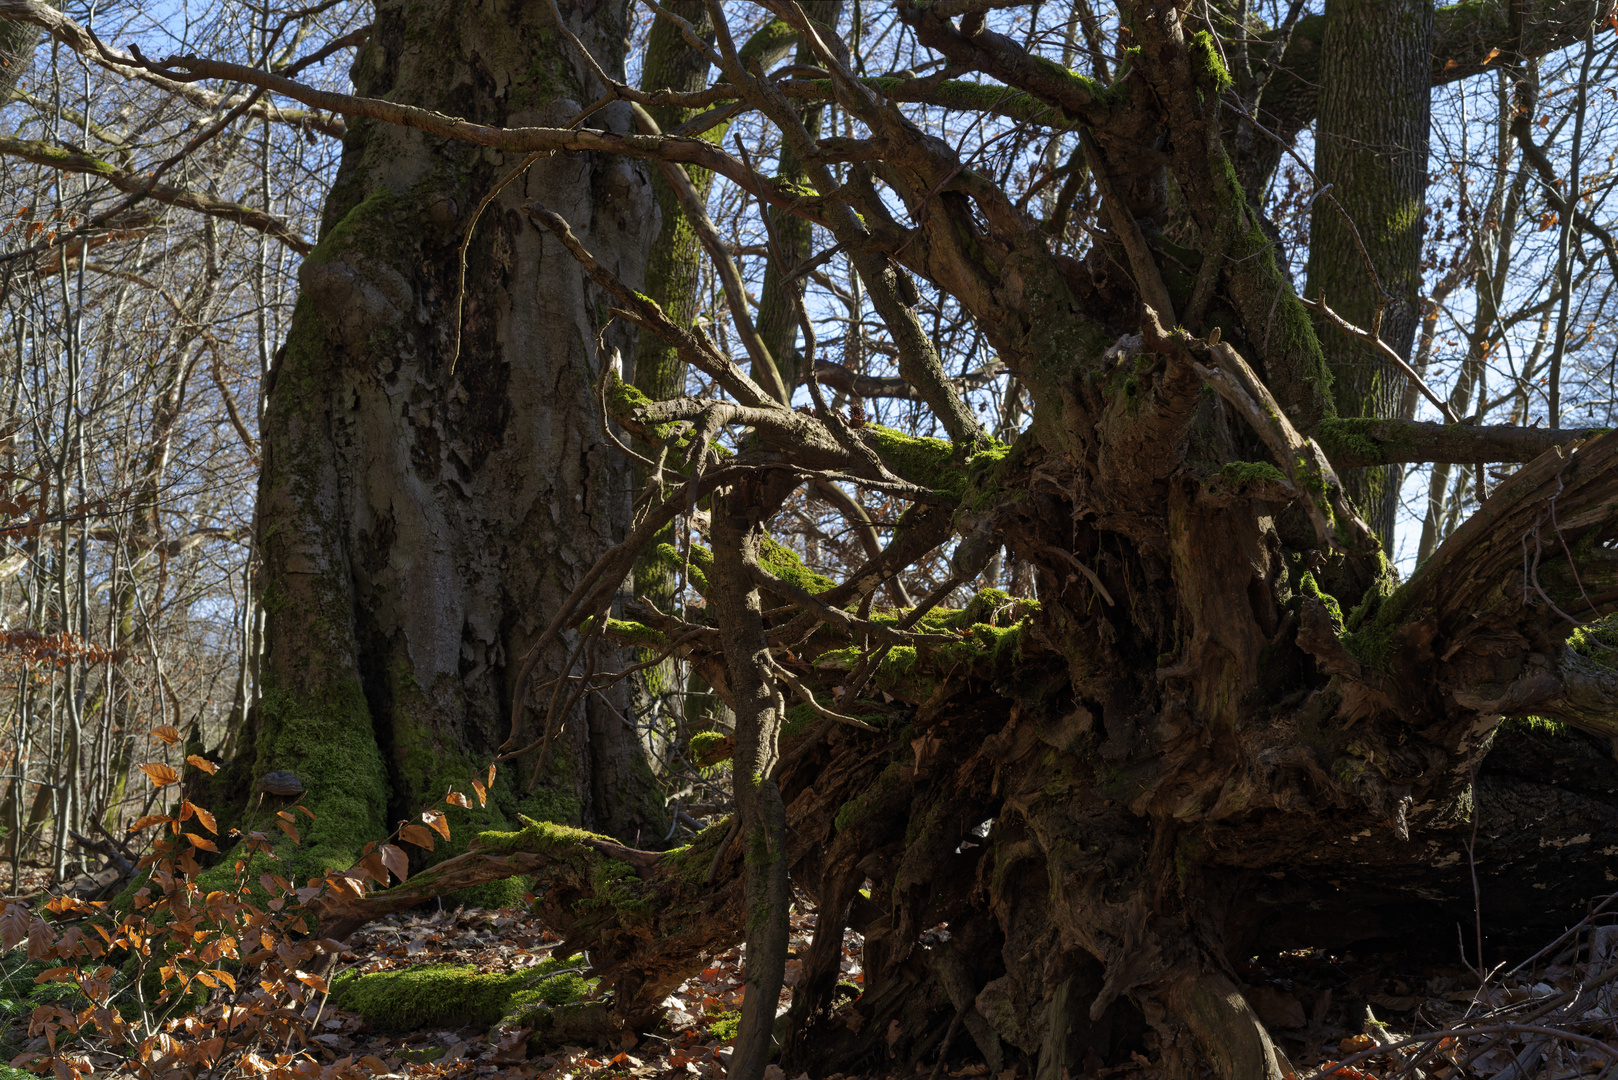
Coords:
pixel 135 356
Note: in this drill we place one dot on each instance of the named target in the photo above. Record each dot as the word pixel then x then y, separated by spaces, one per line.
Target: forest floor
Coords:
pixel 1321 1007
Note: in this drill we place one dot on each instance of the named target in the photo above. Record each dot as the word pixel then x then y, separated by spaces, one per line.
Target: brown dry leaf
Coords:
pixel 395 859
pixel 162 775
pixel 313 981
pixel 167 732
pixel 455 798
pixel 202 763
pixel 1276 1008
pixel 1354 1044
pixel 415 834
pixel 925 747
pixel 436 822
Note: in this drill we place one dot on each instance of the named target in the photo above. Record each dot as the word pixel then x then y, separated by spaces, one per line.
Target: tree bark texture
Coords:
pixel 1223 721
pixel 420 524
pixel 17 42
pixel 1366 234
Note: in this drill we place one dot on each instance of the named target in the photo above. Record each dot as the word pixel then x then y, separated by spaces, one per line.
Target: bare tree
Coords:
pixel 1057 320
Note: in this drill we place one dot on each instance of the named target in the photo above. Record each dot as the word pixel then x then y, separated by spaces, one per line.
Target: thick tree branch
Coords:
pixel 1565 497
pixel 1002 58
pixel 72 161
pixel 1337 526
pixel 1357 442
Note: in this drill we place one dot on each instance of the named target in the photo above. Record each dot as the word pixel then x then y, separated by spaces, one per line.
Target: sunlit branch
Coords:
pixel 73 161
pixel 81 41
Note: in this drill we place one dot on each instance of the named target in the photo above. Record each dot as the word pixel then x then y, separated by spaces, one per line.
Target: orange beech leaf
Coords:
pixel 207 821
pixel 167 732
pixel 201 841
pixel 225 977
pixel 489 783
pixel 395 859
pixel 483 793
pixel 309 980
pixel 202 763
pixel 417 835
pixel 162 775
pixel 436 822
pixel 373 865
pixel 149 820
pixel 292 833
pixel 455 798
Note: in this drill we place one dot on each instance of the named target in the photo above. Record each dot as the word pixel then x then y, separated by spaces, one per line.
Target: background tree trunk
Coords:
pixel 419 524
pixel 17 41
pixel 1371 147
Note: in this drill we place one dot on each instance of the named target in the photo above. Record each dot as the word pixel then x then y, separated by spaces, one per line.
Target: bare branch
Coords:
pixel 72 161
pixel 82 41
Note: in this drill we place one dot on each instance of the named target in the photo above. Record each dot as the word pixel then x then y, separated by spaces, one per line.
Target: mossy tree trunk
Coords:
pixel 422 513
pixel 1225 725
pixel 673 280
pixel 17 42
pixel 1366 233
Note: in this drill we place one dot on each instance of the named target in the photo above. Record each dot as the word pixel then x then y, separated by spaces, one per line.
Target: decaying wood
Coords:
pixel 1223 706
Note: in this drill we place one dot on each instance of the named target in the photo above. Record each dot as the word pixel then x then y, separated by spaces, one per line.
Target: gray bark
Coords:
pixel 420 525
pixel 1365 239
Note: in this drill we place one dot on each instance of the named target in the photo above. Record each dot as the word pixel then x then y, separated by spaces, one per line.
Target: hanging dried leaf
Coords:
pixel 167 732
pixel 161 774
pixel 395 859
pixel 415 834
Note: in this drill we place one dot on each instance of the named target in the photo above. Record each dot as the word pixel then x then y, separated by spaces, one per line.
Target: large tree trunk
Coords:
pixel 1366 235
pixel 1223 716
pixel 423 513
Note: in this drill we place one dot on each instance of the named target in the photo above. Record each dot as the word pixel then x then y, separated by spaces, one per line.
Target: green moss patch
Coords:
pixel 458 995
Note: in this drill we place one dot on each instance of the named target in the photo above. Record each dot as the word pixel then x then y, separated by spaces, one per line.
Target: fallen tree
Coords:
pixel 1225 723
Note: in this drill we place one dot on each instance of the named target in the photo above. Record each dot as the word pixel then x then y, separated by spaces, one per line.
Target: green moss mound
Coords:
pixel 458 995
pixel 726 1025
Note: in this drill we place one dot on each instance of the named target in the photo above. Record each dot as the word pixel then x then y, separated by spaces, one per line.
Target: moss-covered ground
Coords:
pixel 460 995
